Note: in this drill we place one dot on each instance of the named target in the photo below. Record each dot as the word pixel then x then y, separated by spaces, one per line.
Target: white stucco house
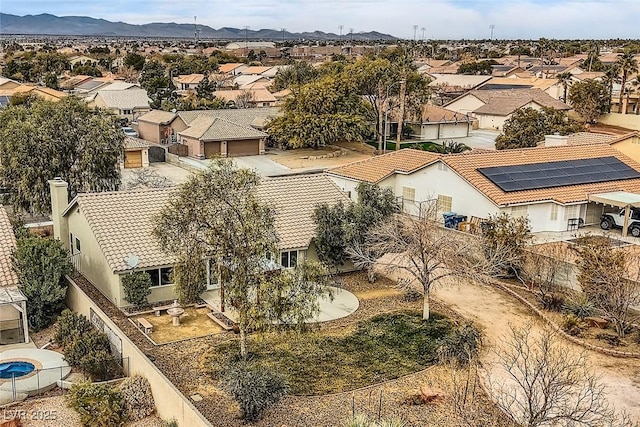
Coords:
pixel 550 185
pixel 493 107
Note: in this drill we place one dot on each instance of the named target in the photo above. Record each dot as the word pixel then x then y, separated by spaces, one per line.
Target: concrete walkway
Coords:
pixel 263 165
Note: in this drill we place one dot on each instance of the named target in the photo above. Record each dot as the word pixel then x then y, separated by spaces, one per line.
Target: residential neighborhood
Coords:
pixel 319 226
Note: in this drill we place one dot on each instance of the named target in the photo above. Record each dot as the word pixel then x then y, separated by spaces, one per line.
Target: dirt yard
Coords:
pixel 307 158
pixel 193 323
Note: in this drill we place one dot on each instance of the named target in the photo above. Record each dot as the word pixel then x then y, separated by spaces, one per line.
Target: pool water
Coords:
pixel 15 369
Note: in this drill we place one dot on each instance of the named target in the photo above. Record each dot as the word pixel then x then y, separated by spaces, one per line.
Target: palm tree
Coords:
pixel 610 77
pixel 564 79
pixel 449 147
pixel 628 65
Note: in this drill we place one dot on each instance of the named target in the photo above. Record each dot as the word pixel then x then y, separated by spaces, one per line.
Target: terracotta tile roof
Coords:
pixel 227 68
pixel 207 128
pixel 242 116
pixel 255 70
pixel 435 114
pixel 158 117
pixel 8 276
pixel 504 102
pixel 122 221
pixel 128 99
pixel 190 78
pixel 378 168
pixel 581 138
pixel 467 165
pixel 131 143
pixel 257 95
pixel 294 199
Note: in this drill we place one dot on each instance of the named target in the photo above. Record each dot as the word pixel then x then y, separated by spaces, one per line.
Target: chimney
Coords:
pixel 59 202
pixel 555 140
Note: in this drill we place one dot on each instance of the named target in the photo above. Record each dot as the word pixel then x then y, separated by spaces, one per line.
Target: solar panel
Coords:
pixel 535 176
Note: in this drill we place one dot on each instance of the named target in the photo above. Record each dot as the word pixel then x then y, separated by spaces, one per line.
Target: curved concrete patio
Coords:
pixel 343 304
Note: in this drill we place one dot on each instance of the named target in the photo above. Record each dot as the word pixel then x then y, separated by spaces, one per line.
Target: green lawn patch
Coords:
pixel 382 348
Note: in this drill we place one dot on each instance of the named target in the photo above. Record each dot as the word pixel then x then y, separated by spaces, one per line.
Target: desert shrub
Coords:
pixel 170 423
pixel 580 306
pixel 612 340
pixel 137 287
pixel 138 400
pixel 573 325
pixel 551 301
pixel 68 326
pixel 461 345
pixel 98 404
pixel 424 395
pixel 255 388
pixel 85 347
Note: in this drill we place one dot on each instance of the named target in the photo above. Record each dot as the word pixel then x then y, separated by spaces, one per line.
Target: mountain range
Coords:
pixel 46 24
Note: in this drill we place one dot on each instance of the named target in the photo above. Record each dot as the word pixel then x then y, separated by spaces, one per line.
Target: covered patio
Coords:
pixel 14 328
pixel 621 199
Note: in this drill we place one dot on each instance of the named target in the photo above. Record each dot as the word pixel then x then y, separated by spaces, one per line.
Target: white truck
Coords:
pixel 612 220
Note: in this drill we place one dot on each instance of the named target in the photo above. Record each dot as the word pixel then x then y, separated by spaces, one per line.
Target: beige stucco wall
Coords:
pixel 92 262
pixel 149 131
pixel 465 105
pixel 9 317
pixel 629 147
pixel 488 121
pixel 170 402
pixel 196 148
pixel 629 121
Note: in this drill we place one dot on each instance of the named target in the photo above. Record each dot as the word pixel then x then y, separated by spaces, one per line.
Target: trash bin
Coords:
pixel 451 219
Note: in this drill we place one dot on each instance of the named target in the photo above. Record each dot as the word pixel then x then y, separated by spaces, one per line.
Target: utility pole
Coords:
pixel 491 27
pixel 195 30
pixel 340 27
pixel 283 30
pixel 415 28
pixel 423 29
pixel 246 42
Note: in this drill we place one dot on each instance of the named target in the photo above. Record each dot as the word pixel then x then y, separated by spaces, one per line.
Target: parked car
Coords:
pixel 129 131
pixel 613 220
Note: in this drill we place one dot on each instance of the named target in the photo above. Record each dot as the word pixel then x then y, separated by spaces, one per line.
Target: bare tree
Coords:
pixel 610 277
pixel 246 99
pixel 538 381
pixel 146 178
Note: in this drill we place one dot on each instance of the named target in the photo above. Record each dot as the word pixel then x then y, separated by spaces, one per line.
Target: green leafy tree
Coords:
pixel 527 127
pixel 205 88
pixel 589 98
pixel 40 140
pixel 137 287
pixel 481 68
pixel 86 70
pixel 134 60
pixel 296 74
pixel 51 81
pixel 504 240
pixel 321 113
pixel 330 240
pixel 448 147
pixel 216 217
pixel 41 265
pixel 564 79
pixel 155 80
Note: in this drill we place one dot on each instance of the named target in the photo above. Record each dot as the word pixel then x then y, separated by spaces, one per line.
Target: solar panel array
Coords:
pixel 535 176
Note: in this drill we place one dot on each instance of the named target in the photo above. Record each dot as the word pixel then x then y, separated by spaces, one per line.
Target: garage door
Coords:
pixel 243 148
pixel 211 148
pixel 133 159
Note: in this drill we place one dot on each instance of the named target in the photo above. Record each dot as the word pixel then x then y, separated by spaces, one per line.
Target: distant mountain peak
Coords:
pixel 47 24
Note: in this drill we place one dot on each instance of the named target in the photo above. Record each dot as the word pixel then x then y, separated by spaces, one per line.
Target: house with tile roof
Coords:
pixel 493 107
pixel 255 98
pixel 102 230
pixel 126 103
pixel 438 123
pixel 13 304
pixel 550 185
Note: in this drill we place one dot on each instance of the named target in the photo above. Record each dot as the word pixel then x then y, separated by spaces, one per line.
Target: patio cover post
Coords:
pixel 25 323
pixel 625 227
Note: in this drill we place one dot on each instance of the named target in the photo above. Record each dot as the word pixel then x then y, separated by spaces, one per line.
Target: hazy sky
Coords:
pixel 450 19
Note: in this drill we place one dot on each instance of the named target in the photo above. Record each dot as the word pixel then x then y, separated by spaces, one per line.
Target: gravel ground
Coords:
pixel 53 412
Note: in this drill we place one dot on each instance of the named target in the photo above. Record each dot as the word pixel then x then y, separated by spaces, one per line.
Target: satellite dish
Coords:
pixel 132 261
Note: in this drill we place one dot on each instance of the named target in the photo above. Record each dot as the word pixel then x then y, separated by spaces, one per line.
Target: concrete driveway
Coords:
pixel 263 165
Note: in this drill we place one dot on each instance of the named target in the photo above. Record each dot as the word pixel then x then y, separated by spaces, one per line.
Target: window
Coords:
pixel 554 212
pixel 78 245
pixel 289 259
pixel 126 111
pixel 519 211
pixel 161 276
pixel 71 242
pixel 444 203
pixel 409 194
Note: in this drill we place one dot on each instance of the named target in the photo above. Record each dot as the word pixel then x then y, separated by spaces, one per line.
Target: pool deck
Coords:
pixel 50 367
